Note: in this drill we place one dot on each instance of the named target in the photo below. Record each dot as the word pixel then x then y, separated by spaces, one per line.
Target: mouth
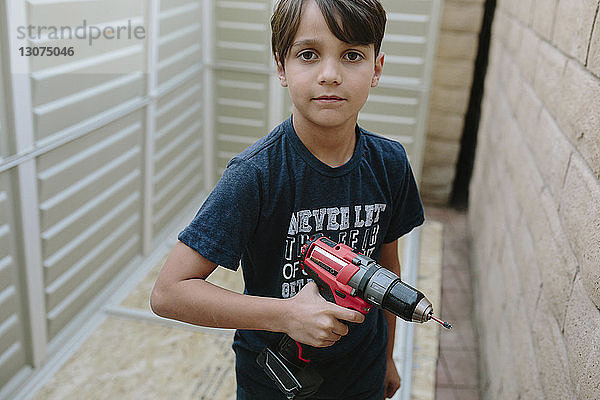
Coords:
pixel 329 98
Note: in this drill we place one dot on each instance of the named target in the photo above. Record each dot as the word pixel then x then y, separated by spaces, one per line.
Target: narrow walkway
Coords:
pixel 457 367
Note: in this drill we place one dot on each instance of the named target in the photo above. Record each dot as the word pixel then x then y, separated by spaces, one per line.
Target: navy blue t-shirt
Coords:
pixel 270 199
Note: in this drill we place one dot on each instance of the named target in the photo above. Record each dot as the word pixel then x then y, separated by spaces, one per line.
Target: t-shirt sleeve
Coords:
pixel 222 227
pixel 407 211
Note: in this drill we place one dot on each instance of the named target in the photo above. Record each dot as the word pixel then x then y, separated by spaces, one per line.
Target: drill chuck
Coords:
pixel 383 288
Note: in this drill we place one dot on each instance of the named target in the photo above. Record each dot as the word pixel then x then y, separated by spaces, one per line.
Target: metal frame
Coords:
pixel 20 88
pixel 151 90
pixel 208 93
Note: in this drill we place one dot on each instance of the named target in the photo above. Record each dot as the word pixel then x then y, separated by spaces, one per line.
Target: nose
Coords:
pixel 329 73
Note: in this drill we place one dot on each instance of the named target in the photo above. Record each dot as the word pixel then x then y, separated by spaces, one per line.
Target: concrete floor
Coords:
pixel 133 354
pixel 457 366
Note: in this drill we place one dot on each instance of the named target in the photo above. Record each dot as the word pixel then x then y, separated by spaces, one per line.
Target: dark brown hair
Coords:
pixel 351 21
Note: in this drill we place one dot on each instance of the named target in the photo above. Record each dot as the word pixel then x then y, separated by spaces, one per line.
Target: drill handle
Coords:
pixel 298 354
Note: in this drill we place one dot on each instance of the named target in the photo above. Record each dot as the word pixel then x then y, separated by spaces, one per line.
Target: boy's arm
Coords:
pixel 181 292
pixel 389 259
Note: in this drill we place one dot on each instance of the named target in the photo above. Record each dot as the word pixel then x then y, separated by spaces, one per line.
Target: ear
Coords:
pixel 377 69
pixel 281 72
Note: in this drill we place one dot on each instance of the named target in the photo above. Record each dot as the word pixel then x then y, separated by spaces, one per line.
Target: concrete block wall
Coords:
pixel 452 80
pixel 534 207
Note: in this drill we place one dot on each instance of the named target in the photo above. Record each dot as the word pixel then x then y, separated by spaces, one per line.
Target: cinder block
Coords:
pixel 513 35
pixel 527 376
pixel 521 166
pixel 438 195
pixel 512 286
pixel 580 214
pixel 437 176
pixel 527 57
pixel 543 17
pixel 522 10
pixel 558 264
pixel 444 125
pixel 512 208
pixel 508 387
pixel 551 150
pixel 551 354
pixel 573 26
pixel 527 112
pixel 548 76
pixel 588 385
pixel 453 73
pixel 593 62
pixel 462 17
pixel 442 153
pixel 578 114
pixel 457 45
pixel 582 336
pixel 453 100
pixel 529 274
pixel 514 84
pixel 500 24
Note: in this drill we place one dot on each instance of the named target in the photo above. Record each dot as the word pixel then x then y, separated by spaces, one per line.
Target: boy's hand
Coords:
pixel 392 379
pixel 314 321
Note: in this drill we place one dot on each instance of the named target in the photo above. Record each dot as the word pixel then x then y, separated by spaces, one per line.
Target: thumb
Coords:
pixel 347 314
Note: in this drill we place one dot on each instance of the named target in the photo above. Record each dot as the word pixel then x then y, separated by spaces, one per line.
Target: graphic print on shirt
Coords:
pixel 356 226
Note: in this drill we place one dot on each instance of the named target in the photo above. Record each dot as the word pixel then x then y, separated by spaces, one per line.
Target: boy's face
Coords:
pixel 328 80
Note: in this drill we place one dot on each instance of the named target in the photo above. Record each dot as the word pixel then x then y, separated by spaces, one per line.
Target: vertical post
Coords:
pixel 276 101
pixel 27 196
pixel 151 89
pixel 208 95
pixel 276 91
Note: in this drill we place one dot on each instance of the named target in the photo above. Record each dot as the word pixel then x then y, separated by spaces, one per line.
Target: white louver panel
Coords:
pixel 242 32
pixel 90 213
pixel 180 41
pixel 103 151
pixel 102 77
pixel 178 151
pixel 13 342
pixel 241 112
pixel 243 70
pixel 397 108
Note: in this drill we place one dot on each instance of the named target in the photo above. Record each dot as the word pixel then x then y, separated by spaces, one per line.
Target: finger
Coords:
pixel 349 315
pixel 325 343
pixel 340 328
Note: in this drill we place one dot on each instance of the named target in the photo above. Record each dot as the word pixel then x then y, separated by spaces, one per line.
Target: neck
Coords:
pixel 333 146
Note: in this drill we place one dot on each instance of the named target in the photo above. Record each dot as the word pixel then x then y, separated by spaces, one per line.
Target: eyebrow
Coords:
pixel 315 43
pixel 305 43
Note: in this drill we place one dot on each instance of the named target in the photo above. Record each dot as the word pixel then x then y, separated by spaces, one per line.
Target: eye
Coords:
pixel 353 56
pixel 307 55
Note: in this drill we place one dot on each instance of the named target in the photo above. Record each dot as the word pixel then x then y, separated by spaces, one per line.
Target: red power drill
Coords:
pixel 350 280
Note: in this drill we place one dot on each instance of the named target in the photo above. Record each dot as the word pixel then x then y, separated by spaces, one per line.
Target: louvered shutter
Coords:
pixel 397 108
pixel 13 342
pixel 89 187
pixel 244 77
pixel 178 158
pixel 106 152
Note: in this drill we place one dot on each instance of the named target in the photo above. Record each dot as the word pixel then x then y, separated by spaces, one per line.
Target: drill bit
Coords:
pixel 443 323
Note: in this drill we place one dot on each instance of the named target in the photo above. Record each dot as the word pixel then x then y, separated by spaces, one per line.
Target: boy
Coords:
pixel 316 172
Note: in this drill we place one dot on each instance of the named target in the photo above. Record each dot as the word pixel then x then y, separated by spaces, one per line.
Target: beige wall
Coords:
pixel 452 79
pixel 535 203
